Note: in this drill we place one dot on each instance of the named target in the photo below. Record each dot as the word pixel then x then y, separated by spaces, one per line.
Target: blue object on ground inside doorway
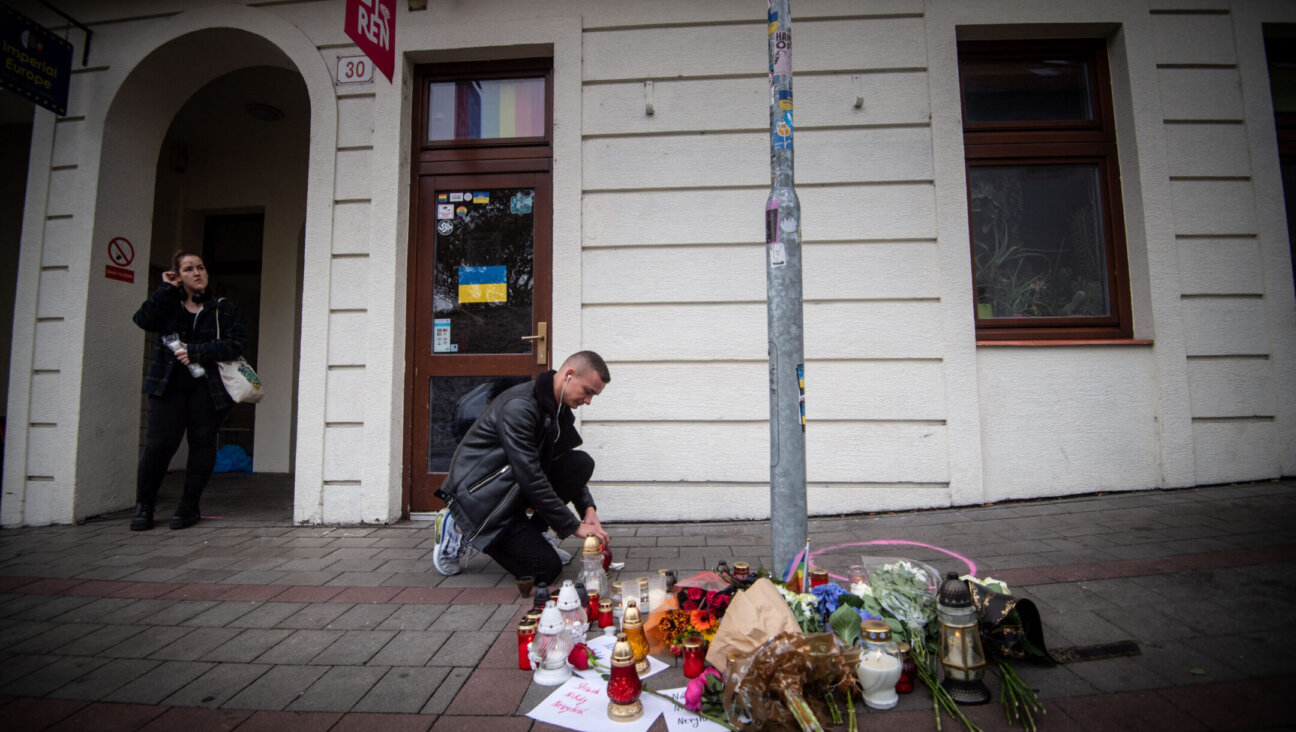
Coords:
pixel 232 459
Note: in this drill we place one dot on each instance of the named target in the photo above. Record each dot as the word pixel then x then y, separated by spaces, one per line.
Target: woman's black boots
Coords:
pixel 143 519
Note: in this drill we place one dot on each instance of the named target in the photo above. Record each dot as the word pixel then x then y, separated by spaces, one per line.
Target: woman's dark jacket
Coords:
pixel 498 469
pixel 164 312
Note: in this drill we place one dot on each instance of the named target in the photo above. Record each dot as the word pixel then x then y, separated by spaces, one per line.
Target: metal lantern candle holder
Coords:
pixel 961 654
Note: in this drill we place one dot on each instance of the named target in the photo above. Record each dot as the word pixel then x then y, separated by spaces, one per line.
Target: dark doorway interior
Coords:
pixel 232 252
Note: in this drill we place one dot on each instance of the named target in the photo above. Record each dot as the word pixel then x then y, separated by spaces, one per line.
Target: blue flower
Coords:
pixel 829 597
pixel 866 615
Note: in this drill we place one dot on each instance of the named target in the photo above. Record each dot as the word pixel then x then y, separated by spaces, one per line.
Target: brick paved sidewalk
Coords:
pixel 255 623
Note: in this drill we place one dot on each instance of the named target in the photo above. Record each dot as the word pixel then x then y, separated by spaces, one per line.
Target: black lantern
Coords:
pixel 961 654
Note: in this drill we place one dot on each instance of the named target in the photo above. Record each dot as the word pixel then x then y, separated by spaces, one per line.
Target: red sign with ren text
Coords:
pixel 372 25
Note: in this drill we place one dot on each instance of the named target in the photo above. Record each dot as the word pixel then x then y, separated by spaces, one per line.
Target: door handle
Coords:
pixel 541 341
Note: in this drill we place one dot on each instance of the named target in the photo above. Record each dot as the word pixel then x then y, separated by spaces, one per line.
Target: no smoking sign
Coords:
pixel 121 253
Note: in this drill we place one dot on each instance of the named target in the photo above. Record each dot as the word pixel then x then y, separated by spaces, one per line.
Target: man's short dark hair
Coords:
pixel 590 360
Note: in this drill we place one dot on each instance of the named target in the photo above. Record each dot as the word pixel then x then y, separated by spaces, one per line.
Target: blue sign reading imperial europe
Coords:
pixel 33 61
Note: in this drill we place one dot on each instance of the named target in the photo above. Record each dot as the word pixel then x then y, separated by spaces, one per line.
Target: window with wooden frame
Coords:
pixel 485 110
pixel 1044 203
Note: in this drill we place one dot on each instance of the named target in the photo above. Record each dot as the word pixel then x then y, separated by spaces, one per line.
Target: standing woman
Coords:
pixel 179 401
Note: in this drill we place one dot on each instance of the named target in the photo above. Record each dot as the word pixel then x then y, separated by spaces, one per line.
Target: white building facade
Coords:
pixel 643 179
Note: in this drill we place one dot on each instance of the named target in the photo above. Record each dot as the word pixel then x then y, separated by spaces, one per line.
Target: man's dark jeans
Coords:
pixel 521 548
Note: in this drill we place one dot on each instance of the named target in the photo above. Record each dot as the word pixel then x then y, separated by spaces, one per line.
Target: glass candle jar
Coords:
pixel 818 577
pixel 694 656
pixel 526 632
pixel 741 570
pixel 592 611
pixel 908 670
pixel 605 619
pixel 644 605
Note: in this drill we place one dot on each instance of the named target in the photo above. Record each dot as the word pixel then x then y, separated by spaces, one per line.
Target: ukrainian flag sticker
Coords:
pixel 483 284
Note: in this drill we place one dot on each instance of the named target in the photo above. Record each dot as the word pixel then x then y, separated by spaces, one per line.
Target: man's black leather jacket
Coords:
pixel 498 469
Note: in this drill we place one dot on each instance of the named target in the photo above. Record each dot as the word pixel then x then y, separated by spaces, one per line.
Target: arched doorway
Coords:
pixel 231 186
pixel 214 129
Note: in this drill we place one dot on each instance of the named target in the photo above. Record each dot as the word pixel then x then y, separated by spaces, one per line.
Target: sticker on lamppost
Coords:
pixel 121 252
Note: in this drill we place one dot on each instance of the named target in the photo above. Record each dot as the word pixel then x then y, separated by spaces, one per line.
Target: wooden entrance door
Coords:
pixel 481 308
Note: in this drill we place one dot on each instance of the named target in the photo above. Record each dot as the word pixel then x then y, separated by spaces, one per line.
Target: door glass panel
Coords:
pixel 454 403
pixel 1038 243
pixel 1026 89
pixel 486 109
pixel 482 279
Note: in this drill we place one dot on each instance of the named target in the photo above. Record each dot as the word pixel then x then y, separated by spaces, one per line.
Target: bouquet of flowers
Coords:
pixel 793 679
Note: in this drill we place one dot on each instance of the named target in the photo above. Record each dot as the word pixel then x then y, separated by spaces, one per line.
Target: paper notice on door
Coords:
pixel 441 337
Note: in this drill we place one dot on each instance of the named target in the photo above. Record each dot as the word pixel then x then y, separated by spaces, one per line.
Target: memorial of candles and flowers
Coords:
pixel 804 650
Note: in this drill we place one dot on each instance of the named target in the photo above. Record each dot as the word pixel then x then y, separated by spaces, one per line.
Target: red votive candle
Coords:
pixel 694 657
pixel 526 632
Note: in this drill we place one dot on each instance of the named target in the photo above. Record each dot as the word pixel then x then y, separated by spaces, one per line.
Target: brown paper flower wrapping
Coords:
pixel 781 684
pixel 755 615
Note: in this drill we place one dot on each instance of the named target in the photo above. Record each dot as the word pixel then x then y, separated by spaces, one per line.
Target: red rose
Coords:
pixel 695 593
pixel 721 602
pixel 690 605
pixel 579 657
pixel 676 649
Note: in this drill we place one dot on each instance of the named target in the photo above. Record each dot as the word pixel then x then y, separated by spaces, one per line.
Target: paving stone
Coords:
pixel 307 576
pixel 495 724
pixel 277 688
pixel 253 577
pixel 354 722
pixel 266 721
pixel 314 615
pixel 354 648
pixel 217 685
pixel 105 679
pixel 490 690
pixel 108 717
pixel 410 648
pixel 179 612
pixel 159 683
pixel 221 614
pixel 268 615
pixel 38 714
pixel 247 645
pixel 154 574
pixel 198 720
pixel 463 617
pixel 52 639
pixel 52 675
pixel 301 647
pixel 402 689
pixel 1139 710
pixel 359 574
pixel 338 689
pixel 447 690
pixel 52 607
pixel 363 617
pixel 462 648
pixel 148 642
pixel 196 644
pixel 412 617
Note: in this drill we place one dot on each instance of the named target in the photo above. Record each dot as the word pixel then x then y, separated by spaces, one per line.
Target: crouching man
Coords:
pixel 520 454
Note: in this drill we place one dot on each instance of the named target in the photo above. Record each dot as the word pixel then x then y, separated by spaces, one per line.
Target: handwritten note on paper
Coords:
pixel 581 704
pixel 678 719
pixel 602 648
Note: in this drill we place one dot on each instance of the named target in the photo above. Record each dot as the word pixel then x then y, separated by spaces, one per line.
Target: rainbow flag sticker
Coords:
pixel 483 284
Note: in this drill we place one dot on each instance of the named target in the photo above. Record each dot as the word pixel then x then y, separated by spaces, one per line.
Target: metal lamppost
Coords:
pixel 783 305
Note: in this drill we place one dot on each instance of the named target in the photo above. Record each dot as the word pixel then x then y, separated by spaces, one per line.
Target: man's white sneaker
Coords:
pixel 449 544
pixel 563 556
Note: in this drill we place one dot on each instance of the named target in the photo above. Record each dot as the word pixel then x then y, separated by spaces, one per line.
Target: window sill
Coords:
pixel 1072 342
